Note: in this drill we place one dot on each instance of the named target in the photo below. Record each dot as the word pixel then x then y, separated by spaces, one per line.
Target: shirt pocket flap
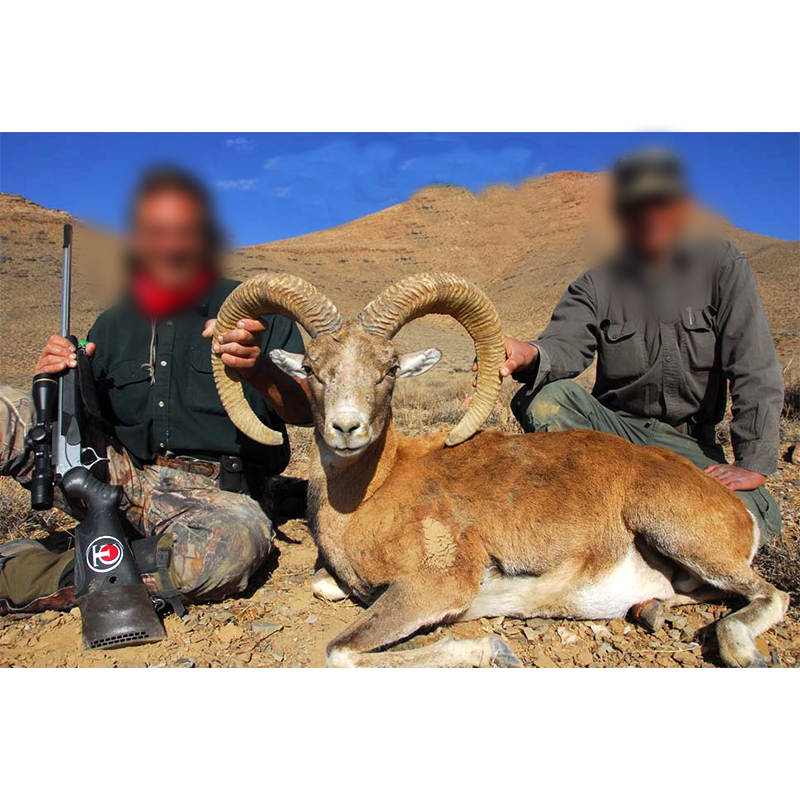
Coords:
pixel 617 331
pixel 694 320
pixel 127 372
pixel 200 358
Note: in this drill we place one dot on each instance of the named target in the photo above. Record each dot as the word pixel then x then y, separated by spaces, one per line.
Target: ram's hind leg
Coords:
pixel 716 541
pixel 736 633
pixel 399 612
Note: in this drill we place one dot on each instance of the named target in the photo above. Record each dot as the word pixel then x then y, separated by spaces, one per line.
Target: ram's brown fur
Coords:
pixel 411 512
pixel 573 524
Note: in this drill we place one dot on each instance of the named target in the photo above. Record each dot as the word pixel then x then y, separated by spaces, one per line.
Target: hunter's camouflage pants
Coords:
pixel 218 539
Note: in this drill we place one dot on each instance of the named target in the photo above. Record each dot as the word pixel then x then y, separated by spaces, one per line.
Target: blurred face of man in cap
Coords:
pixel 651 202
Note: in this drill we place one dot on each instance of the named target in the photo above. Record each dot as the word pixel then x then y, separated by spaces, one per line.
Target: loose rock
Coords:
pixel 617 626
pixel 530 634
pixel 685 657
pixel 229 633
pixel 688 633
pixel 265 628
pixel 566 636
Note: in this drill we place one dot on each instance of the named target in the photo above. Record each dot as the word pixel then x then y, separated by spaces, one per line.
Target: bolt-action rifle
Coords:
pixel 116 609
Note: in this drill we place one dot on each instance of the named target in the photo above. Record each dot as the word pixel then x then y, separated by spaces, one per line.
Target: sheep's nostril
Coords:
pixel 346 427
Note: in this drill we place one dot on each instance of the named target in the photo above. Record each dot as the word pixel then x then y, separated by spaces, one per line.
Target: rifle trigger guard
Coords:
pixel 98 459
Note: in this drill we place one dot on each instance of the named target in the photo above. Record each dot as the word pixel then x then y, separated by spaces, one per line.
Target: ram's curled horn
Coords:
pixel 276 293
pixel 444 293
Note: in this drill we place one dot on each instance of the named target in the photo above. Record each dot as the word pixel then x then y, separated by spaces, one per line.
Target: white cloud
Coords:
pixel 281 191
pixel 240 185
pixel 272 163
pixel 240 143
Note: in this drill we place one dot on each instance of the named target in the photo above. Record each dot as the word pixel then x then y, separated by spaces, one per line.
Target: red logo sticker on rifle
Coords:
pixel 103 554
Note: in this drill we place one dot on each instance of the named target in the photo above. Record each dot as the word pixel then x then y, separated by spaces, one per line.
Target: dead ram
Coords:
pixel 460 526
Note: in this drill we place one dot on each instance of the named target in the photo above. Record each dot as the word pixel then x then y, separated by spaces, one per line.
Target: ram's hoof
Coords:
pixel 651 614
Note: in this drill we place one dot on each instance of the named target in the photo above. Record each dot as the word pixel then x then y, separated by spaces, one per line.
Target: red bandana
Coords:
pixel 156 301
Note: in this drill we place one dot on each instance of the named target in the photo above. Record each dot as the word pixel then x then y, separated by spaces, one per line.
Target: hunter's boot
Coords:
pixel 153 556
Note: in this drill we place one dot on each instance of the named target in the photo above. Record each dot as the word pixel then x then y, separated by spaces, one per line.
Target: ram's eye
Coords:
pixel 393 370
pixel 307 369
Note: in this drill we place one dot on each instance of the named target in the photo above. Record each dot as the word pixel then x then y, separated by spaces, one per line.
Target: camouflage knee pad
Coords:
pixel 219 540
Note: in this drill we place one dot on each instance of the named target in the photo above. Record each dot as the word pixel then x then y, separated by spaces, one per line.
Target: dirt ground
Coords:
pixel 523 246
pixel 280 624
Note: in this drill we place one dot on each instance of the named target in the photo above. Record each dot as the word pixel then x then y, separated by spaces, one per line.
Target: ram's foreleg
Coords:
pixel 403 609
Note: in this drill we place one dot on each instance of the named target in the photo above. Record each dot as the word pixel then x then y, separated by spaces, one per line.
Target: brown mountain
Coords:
pixel 522 245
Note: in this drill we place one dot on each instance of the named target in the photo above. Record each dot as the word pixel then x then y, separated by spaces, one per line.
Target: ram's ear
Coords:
pixel 290 363
pixel 416 363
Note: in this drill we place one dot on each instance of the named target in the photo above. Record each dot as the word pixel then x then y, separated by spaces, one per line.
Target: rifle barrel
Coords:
pixel 66 280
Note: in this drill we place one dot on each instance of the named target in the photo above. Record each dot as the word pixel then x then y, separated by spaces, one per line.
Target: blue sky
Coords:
pixel 273 186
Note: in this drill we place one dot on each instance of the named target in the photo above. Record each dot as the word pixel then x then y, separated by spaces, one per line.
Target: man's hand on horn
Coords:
pixel 240 347
pixel 519 356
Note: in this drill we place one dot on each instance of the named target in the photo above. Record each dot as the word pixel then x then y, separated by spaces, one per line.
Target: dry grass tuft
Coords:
pixel 791 398
pixel 779 562
pixel 422 409
pixel 18 521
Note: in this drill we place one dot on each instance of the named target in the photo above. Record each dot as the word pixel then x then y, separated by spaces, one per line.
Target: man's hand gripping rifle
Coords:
pixel 116 609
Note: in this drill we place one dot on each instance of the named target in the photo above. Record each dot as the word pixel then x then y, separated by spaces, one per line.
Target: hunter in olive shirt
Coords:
pixel 670 343
pixel 195 494
pixel 177 410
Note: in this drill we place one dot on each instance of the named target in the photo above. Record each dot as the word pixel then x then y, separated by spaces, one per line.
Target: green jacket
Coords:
pixel 178 412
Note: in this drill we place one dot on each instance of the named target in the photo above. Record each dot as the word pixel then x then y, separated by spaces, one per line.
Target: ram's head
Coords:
pixel 352 366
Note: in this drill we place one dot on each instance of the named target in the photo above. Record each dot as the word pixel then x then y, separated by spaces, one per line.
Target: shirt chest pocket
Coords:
pixel 201 389
pixel 698 340
pixel 622 349
pixel 127 385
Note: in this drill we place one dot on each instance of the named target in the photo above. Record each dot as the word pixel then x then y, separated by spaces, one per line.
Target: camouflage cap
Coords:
pixel 647 175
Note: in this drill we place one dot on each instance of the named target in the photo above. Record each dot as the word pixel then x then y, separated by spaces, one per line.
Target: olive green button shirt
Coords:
pixel 179 410
pixel 671 343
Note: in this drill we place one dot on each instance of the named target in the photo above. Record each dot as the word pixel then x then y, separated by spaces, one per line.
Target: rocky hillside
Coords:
pixel 30 276
pixel 522 245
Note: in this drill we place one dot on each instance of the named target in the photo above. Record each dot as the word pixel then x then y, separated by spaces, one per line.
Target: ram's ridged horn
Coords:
pixel 444 293
pixel 275 293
